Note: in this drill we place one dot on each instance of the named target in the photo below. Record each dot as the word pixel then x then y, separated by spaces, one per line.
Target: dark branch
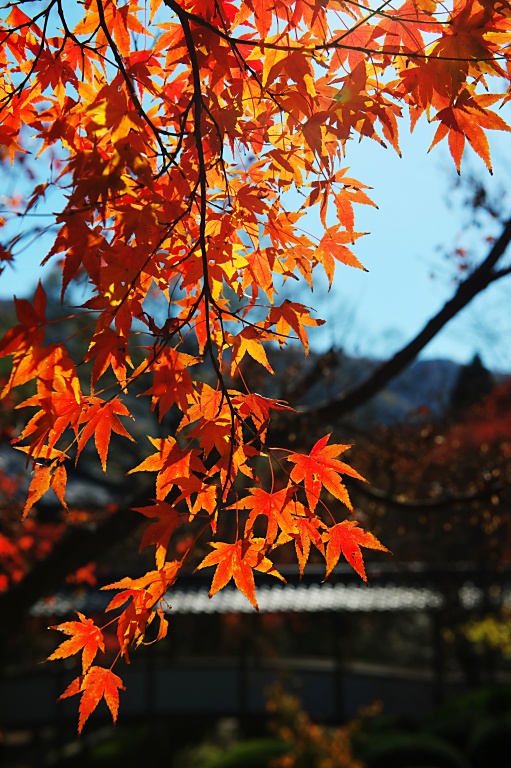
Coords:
pixel 446 502
pixel 480 278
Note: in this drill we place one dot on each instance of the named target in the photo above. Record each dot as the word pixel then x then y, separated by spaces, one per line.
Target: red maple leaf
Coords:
pixel 85 637
pixel 307 531
pixel 101 419
pixel 165 521
pixel 321 469
pixel 237 561
pixel 274 506
pixel 347 537
pixel 97 684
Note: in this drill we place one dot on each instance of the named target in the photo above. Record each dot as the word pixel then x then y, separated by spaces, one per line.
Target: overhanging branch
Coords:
pixel 480 278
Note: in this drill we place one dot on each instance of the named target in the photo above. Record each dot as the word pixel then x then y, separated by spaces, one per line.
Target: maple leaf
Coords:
pixel 292 315
pixel 207 499
pixel 96 684
pixel 249 341
pixel 85 637
pixel 144 594
pixel 320 469
pixel 237 561
pixel 59 400
pixel 101 419
pixel 274 506
pixel 258 409
pixel 307 530
pixel 333 246
pixel 46 477
pixel 210 409
pixel 39 485
pixel 467 119
pixel 172 382
pixel 109 348
pixel 23 341
pixel 174 467
pixel 263 16
pixel 347 537
pixel 160 531
pixel 260 272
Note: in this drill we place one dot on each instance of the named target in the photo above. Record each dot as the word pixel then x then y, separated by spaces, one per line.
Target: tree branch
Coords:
pixel 480 278
pixel 425 504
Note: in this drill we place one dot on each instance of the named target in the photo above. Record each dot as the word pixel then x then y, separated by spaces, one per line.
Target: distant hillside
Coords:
pixel 424 387
pixel 425 384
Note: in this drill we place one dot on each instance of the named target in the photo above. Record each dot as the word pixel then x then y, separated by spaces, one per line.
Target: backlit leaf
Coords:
pixel 321 469
pixel 347 538
pixel 97 684
pixel 85 637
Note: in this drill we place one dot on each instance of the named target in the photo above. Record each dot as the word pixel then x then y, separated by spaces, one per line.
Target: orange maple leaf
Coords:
pixel 262 16
pixel 46 477
pixel 109 348
pixel 249 341
pixel 101 419
pixel 161 529
pixel 292 315
pixel 258 409
pixel 85 637
pixel 272 505
pixel 144 594
pixel 97 684
pixel 347 537
pixel 467 119
pixel 174 466
pixel 321 468
pixel 260 272
pixel 172 382
pixel 238 561
pixel 333 246
pixel 307 531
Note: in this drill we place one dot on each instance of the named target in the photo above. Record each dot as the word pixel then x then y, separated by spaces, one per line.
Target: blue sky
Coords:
pixel 420 213
pixel 375 313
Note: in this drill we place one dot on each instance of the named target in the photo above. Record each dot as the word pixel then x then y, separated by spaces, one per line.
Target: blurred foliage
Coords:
pixel 297 742
pixel 491 632
pixel 469 731
pixel 311 745
pixel 398 750
pixel 253 753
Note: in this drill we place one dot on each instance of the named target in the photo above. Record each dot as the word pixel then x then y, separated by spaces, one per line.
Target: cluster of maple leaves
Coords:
pixel 180 127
